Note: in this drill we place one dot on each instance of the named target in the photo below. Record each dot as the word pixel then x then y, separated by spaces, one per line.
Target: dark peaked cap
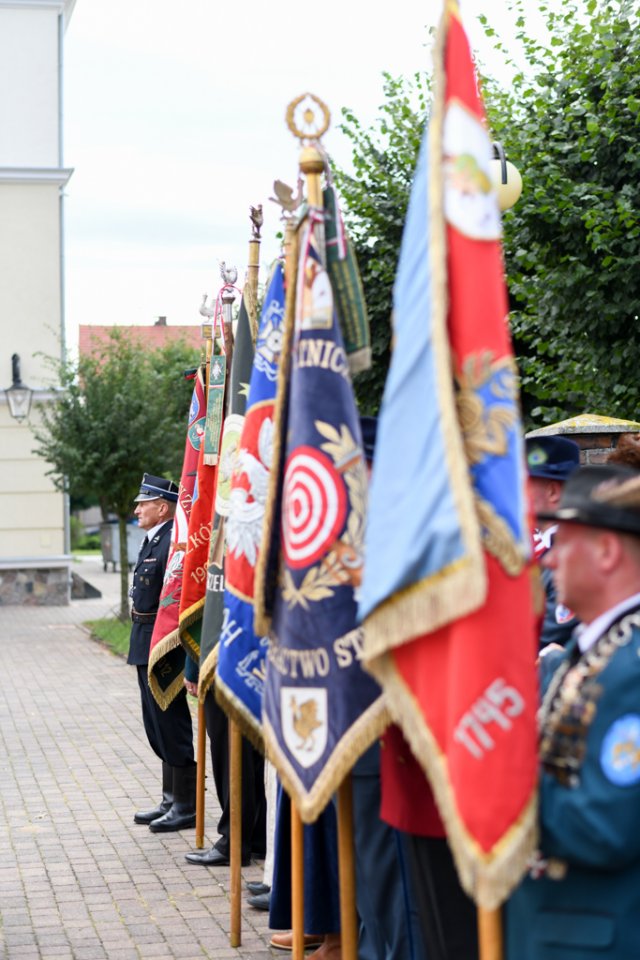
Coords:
pixel 606 496
pixel 154 488
pixel 552 458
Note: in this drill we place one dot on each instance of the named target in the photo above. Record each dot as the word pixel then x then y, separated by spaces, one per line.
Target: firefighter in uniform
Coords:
pixel 169 731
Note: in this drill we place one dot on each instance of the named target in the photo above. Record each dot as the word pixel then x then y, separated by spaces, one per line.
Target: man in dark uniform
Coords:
pixel 582 898
pixel 169 731
pixel 550 463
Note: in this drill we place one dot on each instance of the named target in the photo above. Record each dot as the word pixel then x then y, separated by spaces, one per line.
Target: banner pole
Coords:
pixel 312 166
pixel 201 745
pixel 201 760
pixel 346 872
pixel 235 736
pixel 253 269
pixel 297 884
pixel 235 829
pixel 490 934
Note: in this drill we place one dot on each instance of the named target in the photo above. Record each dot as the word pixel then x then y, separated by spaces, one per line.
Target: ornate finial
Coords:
pixel 308 117
pixel 257 219
pixel 206 311
pixel 284 196
pixel 229 274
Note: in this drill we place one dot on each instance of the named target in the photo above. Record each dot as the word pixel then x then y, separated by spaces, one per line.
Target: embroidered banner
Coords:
pixel 446 598
pixel 197 552
pixel 242 653
pixel 347 286
pixel 166 655
pixel 212 623
pixel 321 711
pixel 216 386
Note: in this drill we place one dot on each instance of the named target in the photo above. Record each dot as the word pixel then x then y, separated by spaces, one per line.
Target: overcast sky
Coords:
pixel 174 123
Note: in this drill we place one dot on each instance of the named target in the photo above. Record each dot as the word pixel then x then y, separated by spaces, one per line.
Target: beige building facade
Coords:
pixel 34 541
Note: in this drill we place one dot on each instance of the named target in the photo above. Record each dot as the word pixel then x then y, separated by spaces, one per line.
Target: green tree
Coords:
pixel 120 413
pixel 569 117
pixel 376 195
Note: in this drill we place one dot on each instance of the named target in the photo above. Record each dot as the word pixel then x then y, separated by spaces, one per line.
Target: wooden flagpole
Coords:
pixel 235 736
pixel 297 884
pixel 235 833
pixel 201 744
pixel 201 761
pixel 490 934
pixel 311 164
pixel 347 872
pixel 253 269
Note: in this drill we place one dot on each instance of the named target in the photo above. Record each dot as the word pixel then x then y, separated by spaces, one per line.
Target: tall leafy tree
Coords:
pixel 376 195
pixel 569 117
pixel 119 413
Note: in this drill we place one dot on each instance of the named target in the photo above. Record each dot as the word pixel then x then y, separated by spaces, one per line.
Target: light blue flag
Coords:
pixel 414 529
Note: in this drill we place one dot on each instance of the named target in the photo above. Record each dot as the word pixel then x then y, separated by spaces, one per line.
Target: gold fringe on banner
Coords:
pixel 369 726
pixel 236 710
pixel 488 878
pixel 207 674
pixel 165 696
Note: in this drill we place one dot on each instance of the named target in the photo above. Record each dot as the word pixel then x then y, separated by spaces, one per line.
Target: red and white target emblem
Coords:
pixel 315 506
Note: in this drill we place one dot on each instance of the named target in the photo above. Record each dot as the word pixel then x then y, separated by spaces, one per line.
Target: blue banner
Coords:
pixel 241 653
pixel 321 711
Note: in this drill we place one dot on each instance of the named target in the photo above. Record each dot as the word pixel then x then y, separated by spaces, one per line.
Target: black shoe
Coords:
pixel 148 816
pixel 175 819
pixel 212 858
pixel 255 887
pixel 260 901
pixel 182 814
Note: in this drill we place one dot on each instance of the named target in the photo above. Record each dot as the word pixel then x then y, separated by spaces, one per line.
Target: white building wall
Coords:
pixel 29 85
pixel 30 303
pixel 32 511
pixel 33 522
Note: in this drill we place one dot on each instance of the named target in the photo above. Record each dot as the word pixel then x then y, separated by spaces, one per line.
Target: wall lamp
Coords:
pixel 506 178
pixel 18 395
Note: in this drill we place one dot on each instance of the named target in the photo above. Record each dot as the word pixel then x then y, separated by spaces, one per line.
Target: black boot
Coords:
pixel 146 816
pixel 182 814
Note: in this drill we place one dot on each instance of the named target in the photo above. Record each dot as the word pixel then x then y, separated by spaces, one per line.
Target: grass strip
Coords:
pixel 112 632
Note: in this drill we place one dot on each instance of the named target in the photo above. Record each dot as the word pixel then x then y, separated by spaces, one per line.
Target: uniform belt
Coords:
pixel 143 617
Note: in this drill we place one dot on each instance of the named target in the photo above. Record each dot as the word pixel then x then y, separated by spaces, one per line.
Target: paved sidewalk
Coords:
pixel 78 879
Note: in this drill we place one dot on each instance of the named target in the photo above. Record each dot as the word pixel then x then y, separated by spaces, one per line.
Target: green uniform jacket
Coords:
pixel 589 819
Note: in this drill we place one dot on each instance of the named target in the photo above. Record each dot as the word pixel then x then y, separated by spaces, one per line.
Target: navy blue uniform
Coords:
pixel 169 731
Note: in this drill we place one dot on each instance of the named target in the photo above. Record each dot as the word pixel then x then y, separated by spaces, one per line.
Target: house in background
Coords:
pixel 34 541
pixel 93 337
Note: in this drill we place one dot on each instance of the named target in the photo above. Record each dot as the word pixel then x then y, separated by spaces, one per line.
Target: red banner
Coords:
pixel 446 597
pixel 166 656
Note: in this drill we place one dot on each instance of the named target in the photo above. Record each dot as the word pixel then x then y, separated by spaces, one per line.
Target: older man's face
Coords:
pixel 150 512
pixel 573 559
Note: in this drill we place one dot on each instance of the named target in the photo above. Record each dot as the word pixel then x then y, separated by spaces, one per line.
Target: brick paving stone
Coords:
pixel 93 952
pixel 78 879
pixel 52 936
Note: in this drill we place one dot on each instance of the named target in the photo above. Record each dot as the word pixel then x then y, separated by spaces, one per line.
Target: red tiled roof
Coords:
pixel 91 338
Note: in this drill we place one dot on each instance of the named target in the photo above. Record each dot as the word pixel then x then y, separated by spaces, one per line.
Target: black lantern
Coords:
pixel 18 394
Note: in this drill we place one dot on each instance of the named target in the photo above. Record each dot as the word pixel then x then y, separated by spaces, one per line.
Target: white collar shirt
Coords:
pixel 588 633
